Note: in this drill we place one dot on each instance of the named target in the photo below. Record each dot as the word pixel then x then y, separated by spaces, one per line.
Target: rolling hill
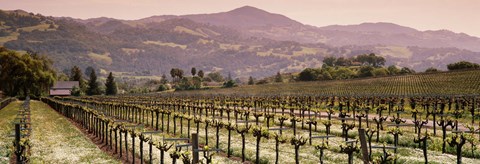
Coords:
pixel 244 42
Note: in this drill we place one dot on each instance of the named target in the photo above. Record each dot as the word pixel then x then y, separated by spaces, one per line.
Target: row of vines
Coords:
pixel 316 124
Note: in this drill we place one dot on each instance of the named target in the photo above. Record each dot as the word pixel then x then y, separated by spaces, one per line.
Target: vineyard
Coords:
pixel 423 118
pixel 433 84
pixel 281 129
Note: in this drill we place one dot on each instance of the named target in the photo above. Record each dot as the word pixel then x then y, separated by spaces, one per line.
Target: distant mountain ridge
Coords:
pixel 258 22
pixel 244 42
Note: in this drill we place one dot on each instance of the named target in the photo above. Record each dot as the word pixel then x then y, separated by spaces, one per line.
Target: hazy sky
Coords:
pixel 456 15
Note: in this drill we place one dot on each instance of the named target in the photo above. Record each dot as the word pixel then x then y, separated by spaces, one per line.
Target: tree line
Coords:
pixel 365 65
pixel 27 74
pixel 92 86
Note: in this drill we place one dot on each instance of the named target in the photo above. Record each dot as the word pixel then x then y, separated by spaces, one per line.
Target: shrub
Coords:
pixel 462 65
pixel 162 87
pixel 308 74
pixel 229 84
pixel 431 69
pixel 406 70
pixel 380 72
pixel 366 71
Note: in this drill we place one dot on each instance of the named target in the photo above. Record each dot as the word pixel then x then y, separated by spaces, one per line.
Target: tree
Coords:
pixel 111 85
pixel 376 61
pixel 329 61
pixel 229 84
pixel 88 70
pixel 164 79
pixel 462 65
pixel 76 75
pixel 393 70
pixel 229 77
pixel 326 75
pixel 216 76
pixel 176 73
pixel 196 82
pixel 29 74
pixel 343 73
pixel 184 84
pixel 380 72
pixel 173 73
pixel 193 71
pixel 201 74
pixel 365 71
pixel 371 60
pixel 278 78
pixel 251 81
pixel 93 88
pixel 341 61
pixel 162 87
pixel 406 70
pixel 308 74
pixel 431 69
pixel 76 91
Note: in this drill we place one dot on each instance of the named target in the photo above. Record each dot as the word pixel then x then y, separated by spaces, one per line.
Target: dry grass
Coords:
pixel 7 116
pixel 101 58
pixel 56 140
pixel 5 39
pixel 181 29
pixel 169 44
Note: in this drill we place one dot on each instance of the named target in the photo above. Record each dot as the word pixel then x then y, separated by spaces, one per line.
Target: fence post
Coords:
pixel 363 145
pixel 195 148
pixel 17 143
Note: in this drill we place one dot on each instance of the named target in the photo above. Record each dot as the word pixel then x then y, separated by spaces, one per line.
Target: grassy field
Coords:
pixel 56 140
pixel 443 83
pixel 7 116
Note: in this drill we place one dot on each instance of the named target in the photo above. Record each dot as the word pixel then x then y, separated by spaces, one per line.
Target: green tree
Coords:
pixel 216 76
pixel 27 74
pixel 176 73
pixel 251 81
pixel 370 60
pixel 341 61
pixel 93 87
pixel 329 61
pixel 76 91
pixel 88 70
pixel 164 79
pixel 365 71
pixel 229 84
pixel 76 75
pixel 393 70
pixel 193 71
pixel 380 72
pixel 431 69
pixel 343 73
pixel 196 82
pixel 462 65
pixel 201 74
pixel 406 70
pixel 184 84
pixel 111 85
pixel 308 74
pixel 326 75
pixel 278 78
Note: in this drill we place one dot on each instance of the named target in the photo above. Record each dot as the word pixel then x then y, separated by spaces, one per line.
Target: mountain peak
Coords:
pixel 247 9
pixel 244 17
